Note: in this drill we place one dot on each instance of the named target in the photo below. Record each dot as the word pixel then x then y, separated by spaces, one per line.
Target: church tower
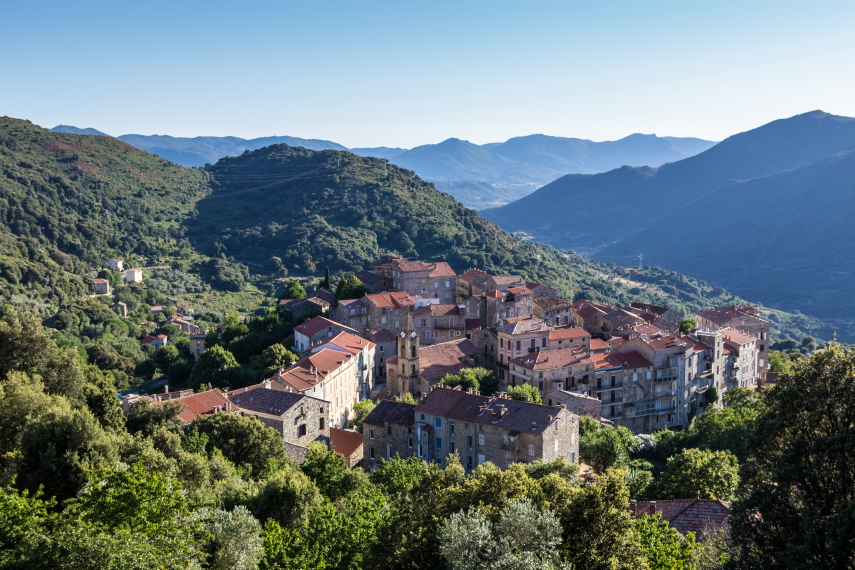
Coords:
pixel 406 376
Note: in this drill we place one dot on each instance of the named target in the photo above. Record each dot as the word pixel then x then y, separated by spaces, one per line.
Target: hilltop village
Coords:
pixel 421 325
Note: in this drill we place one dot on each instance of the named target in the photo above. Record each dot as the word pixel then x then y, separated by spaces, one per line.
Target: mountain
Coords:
pixel 69 202
pixel 586 211
pixel 480 176
pixel 77 130
pixel 784 238
pixel 579 156
pixel 456 159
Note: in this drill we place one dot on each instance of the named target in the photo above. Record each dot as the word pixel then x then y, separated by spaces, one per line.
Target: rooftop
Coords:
pixel 549 359
pixel 522 326
pixel 265 400
pixel 201 404
pixel 389 411
pixel 451 357
pixel 316 324
pixel 344 441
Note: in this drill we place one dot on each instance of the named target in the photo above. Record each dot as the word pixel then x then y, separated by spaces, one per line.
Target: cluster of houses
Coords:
pixel 132 275
pixel 625 366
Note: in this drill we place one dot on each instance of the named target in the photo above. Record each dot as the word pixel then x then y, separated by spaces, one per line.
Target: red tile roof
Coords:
pixel 473 324
pixel 381 336
pixel 599 344
pixel 451 357
pixel 201 404
pixel 345 442
pixel 438 269
pixel 589 310
pixel 317 324
pixel 395 300
pixel 631 359
pixel 737 337
pixel 549 359
pixel 346 341
pixel 519 290
pixel 495 294
pixel 572 332
pixel 471 274
pixel 551 303
pixel 522 325
pixel 313 369
pixel 437 310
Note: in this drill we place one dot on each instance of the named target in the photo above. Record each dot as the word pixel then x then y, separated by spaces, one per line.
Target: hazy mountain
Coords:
pixel 379 151
pixel 585 211
pixel 784 238
pixel 77 130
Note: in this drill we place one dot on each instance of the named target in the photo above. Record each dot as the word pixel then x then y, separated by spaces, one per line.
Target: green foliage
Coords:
pixel 273 358
pixel 525 393
pixel 236 542
pixel 147 418
pixel 712 395
pixel 798 485
pixel 243 440
pixel 521 537
pixel 687 325
pixel 779 362
pixel 294 290
pixel 702 474
pixel 479 379
pixel 664 547
pixel 350 288
pixel 360 412
pixel 330 473
pixel 604 448
pixel 215 366
pixel 228 276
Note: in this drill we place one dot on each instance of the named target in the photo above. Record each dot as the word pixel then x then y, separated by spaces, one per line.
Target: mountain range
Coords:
pixel 765 213
pixel 479 176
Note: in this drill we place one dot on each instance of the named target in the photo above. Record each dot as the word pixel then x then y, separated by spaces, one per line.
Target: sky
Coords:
pixel 379 73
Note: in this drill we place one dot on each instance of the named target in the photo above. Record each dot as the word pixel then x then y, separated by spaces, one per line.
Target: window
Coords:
pixel 540 385
pixel 481 459
pixel 543 342
pixel 519 345
pixel 469 441
pixel 381 350
pixel 389 429
pixel 451 447
pixel 321 423
pixel 480 439
pixel 427 334
pixel 533 343
pixel 437 422
pixel 469 462
pixel 439 443
pixel 451 428
pixel 301 430
pixel 435 334
pixel 423 417
pixel 383 319
pixel 410 443
pixel 531 449
pixel 388 451
pixel 371 453
pixel 501 343
pixel 371 434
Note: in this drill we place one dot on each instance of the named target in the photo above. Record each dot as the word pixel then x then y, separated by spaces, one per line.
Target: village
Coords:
pixel 642 367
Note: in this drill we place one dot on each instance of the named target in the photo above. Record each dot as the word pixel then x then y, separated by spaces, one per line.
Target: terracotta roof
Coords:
pixel 471 274
pixel 392 412
pixel 549 359
pixel 437 310
pixel 99 280
pixel 351 303
pixel 265 400
pixel 311 370
pixel 502 412
pixel 599 344
pixel 519 290
pixel 344 441
pixel 316 325
pixel 631 359
pixel 346 341
pixel 589 310
pixel 451 357
pixel 501 280
pixel 689 515
pixel 395 300
pixel 438 269
pixel 663 340
pixel 495 294
pixel 572 332
pixel 201 404
pixel 523 325
pixel 534 285
pixel 737 337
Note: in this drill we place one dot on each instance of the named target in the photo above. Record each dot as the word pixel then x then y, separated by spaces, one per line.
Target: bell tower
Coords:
pixel 406 377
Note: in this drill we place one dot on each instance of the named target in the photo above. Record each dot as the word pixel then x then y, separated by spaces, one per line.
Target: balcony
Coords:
pixel 665 393
pixel 666 375
pixel 616 386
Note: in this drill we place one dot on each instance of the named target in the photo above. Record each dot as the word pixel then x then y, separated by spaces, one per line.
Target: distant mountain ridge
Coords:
pixel 583 212
pixel 510 170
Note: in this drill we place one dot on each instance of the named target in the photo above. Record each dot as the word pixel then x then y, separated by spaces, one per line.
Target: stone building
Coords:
pixel 555 312
pixel 575 403
pixel 425 279
pixel 348 444
pixel 551 370
pixel 479 428
pixel 351 345
pixel 741 364
pixel 518 337
pixel 386 346
pixel 742 318
pixel 573 336
pixel 102 286
pixel 438 323
pixel 591 315
pixel 299 419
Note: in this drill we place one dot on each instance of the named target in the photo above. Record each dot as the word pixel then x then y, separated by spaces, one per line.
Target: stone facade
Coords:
pixel 428 280
pixel 742 318
pixel 297 418
pixel 315 330
pixel 518 337
pixel 437 323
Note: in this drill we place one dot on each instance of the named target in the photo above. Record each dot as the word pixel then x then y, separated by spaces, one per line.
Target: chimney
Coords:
pixel 166 388
pixel 652 508
pixel 267 383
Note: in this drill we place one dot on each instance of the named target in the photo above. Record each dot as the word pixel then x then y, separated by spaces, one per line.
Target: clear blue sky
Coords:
pixel 404 73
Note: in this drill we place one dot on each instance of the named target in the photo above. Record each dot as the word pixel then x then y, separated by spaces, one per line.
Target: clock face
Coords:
pixel 413 334
pixel 403 334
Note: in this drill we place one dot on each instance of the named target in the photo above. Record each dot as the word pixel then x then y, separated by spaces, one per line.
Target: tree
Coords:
pixel 243 440
pixel 236 542
pixel 687 324
pixel 522 537
pixel 525 393
pixel 664 547
pixel 146 418
pixel 779 362
pixel 294 290
pixel 603 447
pixel 702 474
pixel 330 473
pixel 712 395
pixel 326 283
pixel 360 412
pixel 212 338
pixel 798 484
pixel 479 379
pixel 216 366
pixel 273 358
